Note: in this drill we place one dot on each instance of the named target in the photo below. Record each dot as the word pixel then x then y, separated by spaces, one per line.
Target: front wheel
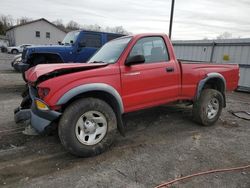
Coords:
pixel 88 127
pixel 207 109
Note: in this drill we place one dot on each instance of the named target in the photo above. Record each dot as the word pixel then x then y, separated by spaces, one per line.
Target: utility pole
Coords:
pixel 171 20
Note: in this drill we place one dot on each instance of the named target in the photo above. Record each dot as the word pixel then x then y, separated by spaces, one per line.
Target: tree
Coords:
pixel 120 30
pixel 117 29
pixel 23 20
pixel 94 27
pixel 5 23
pixel 72 25
pixel 59 24
pixel 225 35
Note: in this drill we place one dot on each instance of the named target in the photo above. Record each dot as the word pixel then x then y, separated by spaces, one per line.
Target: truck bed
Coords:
pixel 193 72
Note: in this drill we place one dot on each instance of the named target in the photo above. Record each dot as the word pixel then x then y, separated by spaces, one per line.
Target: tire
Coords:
pixel 75 116
pixel 23 76
pixel 15 51
pixel 207 109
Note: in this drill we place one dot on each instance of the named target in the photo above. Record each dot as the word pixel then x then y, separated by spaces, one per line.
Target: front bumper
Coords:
pixel 38 119
pixel 21 66
pixel 14 64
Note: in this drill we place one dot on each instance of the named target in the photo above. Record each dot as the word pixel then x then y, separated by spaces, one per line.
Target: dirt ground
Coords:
pixel 161 144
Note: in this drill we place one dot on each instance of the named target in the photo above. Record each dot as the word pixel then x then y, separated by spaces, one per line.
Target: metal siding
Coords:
pixel 244 77
pixel 245 55
pixel 238 54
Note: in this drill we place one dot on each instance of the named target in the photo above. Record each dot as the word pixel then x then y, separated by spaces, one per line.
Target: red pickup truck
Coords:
pixel 87 101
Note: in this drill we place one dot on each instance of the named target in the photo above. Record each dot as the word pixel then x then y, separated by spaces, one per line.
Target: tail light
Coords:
pixel 43 92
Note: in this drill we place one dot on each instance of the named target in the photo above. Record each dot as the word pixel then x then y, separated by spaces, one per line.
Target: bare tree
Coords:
pixel 225 35
pixel 120 30
pixel 59 24
pixel 72 25
pixel 117 29
pixel 94 27
pixel 23 20
pixel 5 23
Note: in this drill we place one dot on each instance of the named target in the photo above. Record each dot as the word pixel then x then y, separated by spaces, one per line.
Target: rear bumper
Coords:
pixel 38 119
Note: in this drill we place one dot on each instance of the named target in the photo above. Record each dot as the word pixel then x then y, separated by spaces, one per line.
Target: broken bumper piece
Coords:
pixel 39 119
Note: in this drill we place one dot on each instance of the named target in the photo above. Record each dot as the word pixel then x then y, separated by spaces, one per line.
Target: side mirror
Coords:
pixel 137 59
pixel 81 44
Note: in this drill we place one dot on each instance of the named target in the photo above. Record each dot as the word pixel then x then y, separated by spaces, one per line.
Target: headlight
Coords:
pixel 41 105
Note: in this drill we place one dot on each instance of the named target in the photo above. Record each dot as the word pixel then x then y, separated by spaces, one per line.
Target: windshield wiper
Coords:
pixel 96 62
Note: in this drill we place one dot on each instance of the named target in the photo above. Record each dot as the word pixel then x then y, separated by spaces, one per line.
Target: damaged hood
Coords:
pixel 52 70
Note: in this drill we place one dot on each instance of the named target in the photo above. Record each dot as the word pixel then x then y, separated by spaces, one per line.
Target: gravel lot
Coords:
pixel 161 144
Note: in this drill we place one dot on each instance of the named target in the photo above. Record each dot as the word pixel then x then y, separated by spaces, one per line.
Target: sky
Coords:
pixel 193 19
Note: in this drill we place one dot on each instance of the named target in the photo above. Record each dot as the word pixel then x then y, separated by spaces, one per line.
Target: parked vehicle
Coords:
pixel 17 49
pixel 3 49
pixel 127 74
pixel 77 46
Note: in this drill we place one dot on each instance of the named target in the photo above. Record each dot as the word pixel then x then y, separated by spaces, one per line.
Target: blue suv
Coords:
pixel 77 46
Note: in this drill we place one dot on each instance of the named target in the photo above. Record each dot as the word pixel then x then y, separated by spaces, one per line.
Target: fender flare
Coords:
pixel 91 87
pixel 207 78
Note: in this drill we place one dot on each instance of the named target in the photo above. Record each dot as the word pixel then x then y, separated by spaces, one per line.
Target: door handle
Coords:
pixel 170 69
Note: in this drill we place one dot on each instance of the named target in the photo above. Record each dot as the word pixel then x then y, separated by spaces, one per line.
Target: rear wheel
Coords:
pixel 14 51
pixel 207 109
pixel 88 127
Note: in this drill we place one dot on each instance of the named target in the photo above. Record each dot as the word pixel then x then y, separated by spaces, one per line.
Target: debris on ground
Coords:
pixel 241 114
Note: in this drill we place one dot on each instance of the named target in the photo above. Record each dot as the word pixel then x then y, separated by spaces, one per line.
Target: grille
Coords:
pixel 24 52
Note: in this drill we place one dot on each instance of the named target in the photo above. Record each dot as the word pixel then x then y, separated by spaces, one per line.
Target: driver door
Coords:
pixel 153 82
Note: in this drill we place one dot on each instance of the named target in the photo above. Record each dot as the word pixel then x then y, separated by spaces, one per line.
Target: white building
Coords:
pixel 37 32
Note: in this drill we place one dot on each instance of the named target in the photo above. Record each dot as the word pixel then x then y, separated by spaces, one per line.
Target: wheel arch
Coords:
pixel 97 90
pixel 212 81
pixel 14 49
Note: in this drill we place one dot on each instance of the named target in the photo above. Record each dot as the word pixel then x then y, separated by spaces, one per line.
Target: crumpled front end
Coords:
pixel 35 111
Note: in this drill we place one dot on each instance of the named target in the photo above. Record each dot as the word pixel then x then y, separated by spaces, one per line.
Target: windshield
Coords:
pixel 111 51
pixel 70 38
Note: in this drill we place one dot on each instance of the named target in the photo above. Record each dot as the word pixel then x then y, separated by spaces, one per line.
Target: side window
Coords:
pixel 111 37
pixel 92 40
pixel 152 48
pixel 38 34
pixel 48 35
